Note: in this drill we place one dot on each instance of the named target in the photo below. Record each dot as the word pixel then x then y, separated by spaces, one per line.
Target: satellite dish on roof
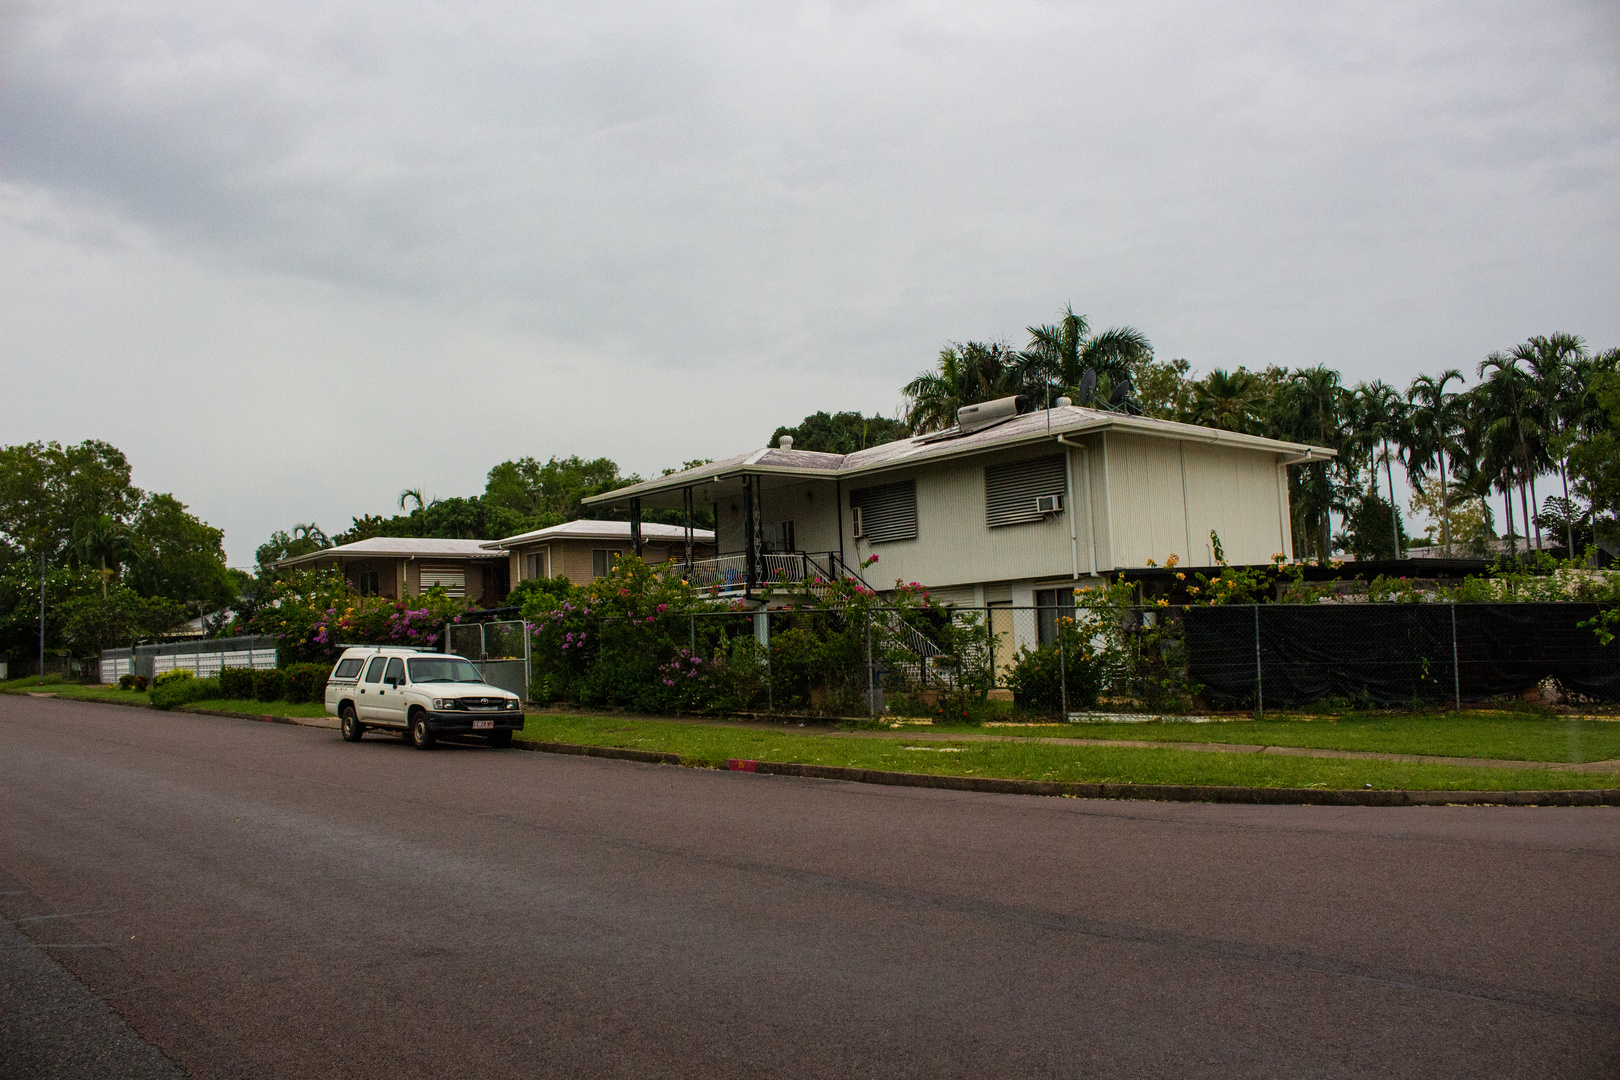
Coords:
pixel 1121 394
pixel 1088 386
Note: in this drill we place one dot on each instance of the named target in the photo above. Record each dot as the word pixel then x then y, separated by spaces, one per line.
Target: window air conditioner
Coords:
pixel 1049 504
pixel 859 520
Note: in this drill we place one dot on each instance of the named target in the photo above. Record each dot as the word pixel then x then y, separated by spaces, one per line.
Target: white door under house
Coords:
pixel 453 580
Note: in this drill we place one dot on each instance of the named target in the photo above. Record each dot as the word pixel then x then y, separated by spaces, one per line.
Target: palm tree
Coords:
pixel 103 540
pixel 1309 407
pixel 1553 368
pixel 1434 420
pixel 1380 416
pixel 1512 435
pixel 1058 356
pixel 1231 402
pixel 411 493
pixel 967 373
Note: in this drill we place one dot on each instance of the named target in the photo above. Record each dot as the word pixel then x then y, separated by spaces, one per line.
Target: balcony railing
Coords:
pixel 729 573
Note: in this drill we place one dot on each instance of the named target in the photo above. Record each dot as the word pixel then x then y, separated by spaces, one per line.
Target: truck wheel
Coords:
pixel 421 734
pixel 350 724
pixel 501 740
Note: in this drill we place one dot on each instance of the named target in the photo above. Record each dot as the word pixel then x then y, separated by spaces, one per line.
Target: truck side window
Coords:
pixel 347 669
pixel 374 670
pixel 396 672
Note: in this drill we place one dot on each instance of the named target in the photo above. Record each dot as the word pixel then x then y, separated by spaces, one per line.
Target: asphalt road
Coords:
pixel 260 900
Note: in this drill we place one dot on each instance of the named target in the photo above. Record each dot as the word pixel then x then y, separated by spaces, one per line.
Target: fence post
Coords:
pixel 871 696
pixel 1063 666
pixel 762 633
pixel 1456 671
pixel 692 631
pixel 1259 674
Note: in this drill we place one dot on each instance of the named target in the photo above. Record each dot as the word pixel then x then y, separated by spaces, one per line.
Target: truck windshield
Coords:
pixel 443 669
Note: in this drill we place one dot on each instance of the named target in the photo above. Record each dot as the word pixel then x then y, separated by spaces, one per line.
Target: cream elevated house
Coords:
pixel 1005 509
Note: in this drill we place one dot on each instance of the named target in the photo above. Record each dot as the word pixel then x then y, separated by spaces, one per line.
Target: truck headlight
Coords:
pixel 512 704
pixel 444 703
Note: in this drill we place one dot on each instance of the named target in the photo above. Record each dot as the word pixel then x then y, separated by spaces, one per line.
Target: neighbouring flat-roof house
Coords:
pixel 583 550
pixel 400 566
pixel 1008 509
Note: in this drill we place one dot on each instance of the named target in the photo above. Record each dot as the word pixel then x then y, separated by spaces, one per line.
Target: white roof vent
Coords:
pixel 1063 403
pixel 785 442
pixel 985 413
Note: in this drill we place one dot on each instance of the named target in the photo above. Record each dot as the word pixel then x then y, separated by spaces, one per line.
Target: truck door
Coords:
pixel 391 694
pixel 369 700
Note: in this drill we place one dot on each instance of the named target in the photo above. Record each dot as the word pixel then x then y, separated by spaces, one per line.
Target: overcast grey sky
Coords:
pixel 293 258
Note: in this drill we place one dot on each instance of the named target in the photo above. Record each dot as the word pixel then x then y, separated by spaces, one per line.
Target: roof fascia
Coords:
pixel 661 485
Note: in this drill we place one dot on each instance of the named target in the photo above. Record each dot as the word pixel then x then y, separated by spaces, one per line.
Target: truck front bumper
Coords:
pixel 459 722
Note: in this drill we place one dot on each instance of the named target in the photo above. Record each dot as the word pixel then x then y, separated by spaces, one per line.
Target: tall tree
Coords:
pixel 1309 407
pixel 104 541
pixel 1059 355
pixel 1505 405
pixel 1379 418
pixel 301 540
pixel 966 373
pixel 1434 422
pixel 841 433
pixel 1553 364
pixel 179 556
pixel 46 489
pixel 1231 401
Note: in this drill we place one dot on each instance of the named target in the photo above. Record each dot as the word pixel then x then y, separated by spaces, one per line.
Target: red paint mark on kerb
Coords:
pixel 738 765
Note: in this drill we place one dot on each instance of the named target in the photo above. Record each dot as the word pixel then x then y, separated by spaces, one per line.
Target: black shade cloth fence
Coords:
pixel 1291 654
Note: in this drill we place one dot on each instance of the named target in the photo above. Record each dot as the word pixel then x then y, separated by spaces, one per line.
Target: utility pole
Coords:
pixel 42 616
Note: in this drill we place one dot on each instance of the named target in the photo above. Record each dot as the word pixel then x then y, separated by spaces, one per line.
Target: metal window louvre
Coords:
pixel 888 512
pixel 452 579
pixel 1010 490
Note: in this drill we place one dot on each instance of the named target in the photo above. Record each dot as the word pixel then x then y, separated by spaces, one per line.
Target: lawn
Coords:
pixel 94 692
pixel 81 691
pixel 1507 736
pixel 700 744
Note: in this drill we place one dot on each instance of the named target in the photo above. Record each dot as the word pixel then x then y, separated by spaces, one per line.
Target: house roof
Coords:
pixel 601 530
pixel 398 547
pixel 1029 428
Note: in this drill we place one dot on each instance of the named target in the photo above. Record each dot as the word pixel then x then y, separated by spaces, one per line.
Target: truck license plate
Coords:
pixel 477 724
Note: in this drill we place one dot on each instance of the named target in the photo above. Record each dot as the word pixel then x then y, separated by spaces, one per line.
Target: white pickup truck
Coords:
pixel 420 695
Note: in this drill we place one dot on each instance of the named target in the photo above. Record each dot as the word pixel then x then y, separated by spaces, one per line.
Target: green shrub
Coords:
pixel 126 682
pixel 1039 676
pixel 177 675
pixel 270 685
pixel 306 682
pixel 176 692
pixel 236 683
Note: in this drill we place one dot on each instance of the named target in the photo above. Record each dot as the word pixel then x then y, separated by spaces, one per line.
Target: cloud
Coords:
pixel 699 222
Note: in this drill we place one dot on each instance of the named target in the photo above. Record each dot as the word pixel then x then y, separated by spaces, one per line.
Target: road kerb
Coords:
pixel 1151 792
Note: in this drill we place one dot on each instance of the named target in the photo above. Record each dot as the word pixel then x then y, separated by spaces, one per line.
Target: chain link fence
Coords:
pixel 1061 660
pixel 500 651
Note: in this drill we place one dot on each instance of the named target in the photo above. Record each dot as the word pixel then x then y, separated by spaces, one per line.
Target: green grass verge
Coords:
pixel 700 744
pixel 1504 736
pixel 303 710
pixel 79 691
pixel 93 692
